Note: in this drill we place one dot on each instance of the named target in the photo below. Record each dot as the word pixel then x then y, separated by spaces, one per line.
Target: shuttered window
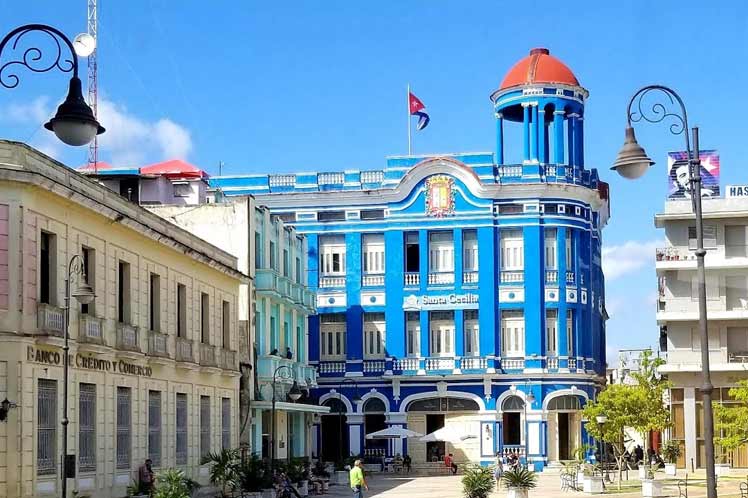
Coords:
pixel 46 435
pixel 181 435
pixel 124 424
pixel 512 250
pixel 374 328
pixel 154 427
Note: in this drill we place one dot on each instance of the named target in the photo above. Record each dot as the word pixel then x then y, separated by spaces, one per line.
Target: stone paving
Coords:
pixel 385 486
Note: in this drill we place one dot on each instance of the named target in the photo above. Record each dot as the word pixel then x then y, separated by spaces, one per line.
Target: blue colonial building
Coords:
pixel 456 290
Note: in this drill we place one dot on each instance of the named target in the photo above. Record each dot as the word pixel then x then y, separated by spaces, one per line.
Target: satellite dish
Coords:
pixel 84 44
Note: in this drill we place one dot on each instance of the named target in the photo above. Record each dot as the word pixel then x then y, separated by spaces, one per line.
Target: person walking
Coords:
pixel 498 470
pixel 406 463
pixel 357 480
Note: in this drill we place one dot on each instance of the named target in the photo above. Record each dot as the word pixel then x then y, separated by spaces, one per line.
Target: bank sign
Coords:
pixel 736 191
pixel 440 302
pixel 86 362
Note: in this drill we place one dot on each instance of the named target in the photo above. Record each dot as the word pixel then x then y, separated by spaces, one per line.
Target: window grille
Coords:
pixel 225 423
pixel 204 425
pixel 154 427
pixel 46 448
pixel 124 418
pixel 87 427
pixel 181 439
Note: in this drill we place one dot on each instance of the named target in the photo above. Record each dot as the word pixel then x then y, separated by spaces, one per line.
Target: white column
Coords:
pixel 396 419
pixel 355 422
pixel 689 422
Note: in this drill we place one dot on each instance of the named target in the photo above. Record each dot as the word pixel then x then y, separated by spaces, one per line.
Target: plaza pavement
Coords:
pixel 386 486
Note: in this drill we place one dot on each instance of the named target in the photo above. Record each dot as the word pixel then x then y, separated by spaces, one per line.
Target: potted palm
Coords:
pixel 223 469
pixel 477 481
pixel 519 482
pixel 250 475
pixel 670 453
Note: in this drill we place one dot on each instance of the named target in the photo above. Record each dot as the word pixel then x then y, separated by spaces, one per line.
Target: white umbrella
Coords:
pixel 447 435
pixel 393 433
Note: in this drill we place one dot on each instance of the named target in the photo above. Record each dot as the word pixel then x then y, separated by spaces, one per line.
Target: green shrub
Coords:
pixel 671 451
pixel 252 475
pixel 519 479
pixel 223 469
pixel 172 483
pixel 477 482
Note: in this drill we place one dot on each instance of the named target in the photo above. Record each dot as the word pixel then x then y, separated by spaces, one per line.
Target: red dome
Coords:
pixel 539 67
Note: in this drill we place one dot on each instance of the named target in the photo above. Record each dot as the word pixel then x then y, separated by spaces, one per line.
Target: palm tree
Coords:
pixel 223 470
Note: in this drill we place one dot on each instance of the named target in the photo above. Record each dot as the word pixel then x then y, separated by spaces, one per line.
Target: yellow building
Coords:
pixel 154 358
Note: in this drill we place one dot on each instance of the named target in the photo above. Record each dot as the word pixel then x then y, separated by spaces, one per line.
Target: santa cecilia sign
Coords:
pixel 440 302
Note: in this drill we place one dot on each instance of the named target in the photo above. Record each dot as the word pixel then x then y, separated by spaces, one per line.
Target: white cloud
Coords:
pixel 128 140
pixel 628 257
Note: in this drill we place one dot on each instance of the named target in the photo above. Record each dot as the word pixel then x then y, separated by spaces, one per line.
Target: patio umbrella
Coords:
pixel 393 433
pixel 447 435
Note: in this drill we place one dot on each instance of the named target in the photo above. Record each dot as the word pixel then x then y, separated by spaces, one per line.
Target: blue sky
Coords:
pixel 294 86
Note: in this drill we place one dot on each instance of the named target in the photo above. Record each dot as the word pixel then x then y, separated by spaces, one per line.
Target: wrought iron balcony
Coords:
pixel 127 337
pixel 90 329
pixel 50 320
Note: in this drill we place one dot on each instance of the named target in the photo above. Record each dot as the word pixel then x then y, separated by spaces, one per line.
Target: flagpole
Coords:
pixel 409 138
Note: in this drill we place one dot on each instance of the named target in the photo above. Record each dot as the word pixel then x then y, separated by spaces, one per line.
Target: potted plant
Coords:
pixel 670 453
pixel 519 482
pixel 298 474
pixel 721 467
pixel 250 477
pixel 223 469
pixel 651 488
pixel 172 483
pixel 593 479
pixel 320 471
pixel 477 481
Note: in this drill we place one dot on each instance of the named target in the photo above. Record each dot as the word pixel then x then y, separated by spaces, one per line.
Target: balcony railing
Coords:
pixel 551 363
pixel 441 278
pixel 184 350
pixel 510 171
pixel 372 280
pixel 512 363
pixel 572 363
pixel 157 345
pixel 208 355
pixel 306 373
pixel 473 363
pixel 737 357
pixel 406 364
pixel 373 366
pixel 127 337
pixel 309 299
pixel 440 363
pixel 284 287
pixel 227 359
pixel 90 329
pixel 331 282
pixel 297 293
pixel 266 280
pixel 470 277
pixel 512 276
pixel 551 276
pixel 372 176
pixel 412 279
pixel 331 367
pixel 569 277
pixel 50 319
pixel 268 364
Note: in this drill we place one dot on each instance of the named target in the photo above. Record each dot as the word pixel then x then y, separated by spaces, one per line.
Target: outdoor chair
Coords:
pixel 743 490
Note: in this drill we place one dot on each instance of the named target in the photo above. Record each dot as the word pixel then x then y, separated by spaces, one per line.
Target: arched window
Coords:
pixel 336 406
pixel 513 404
pixel 566 402
pixel 374 405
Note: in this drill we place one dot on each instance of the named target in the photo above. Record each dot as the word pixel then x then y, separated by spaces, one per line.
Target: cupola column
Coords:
pixel 558 142
pixel 541 136
pixel 499 138
pixel 579 145
pixel 526 132
pixel 534 134
pixel 571 125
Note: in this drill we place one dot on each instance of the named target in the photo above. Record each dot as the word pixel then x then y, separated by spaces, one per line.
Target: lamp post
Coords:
pixel 84 294
pixel 294 393
pixel 632 162
pixel 355 399
pixel 601 420
pixel 529 399
pixel 74 123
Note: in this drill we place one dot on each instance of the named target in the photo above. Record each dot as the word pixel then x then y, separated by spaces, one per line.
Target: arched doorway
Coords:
pixel 564 426
pixel 334 432
pixel 431 414
pixel 374 420
pixel 511 423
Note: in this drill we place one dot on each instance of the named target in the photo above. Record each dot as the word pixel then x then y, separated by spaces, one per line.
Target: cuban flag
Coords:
pixel 418 109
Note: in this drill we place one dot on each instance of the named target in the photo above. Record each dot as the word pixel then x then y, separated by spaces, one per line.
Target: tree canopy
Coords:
pixel 732 419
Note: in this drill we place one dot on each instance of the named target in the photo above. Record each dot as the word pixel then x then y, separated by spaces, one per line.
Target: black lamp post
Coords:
pixel 601 421
pixel 294 393
pixel 84 294
pixel 632 162
pixel 74 123
pixel 355 399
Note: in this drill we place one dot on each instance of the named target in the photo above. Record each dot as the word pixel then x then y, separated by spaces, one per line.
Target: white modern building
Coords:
pixel 726 243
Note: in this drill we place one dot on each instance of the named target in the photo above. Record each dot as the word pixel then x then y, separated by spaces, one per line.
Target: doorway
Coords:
pixel 512 422
pixel 564 452
pixel 374 447
pixel 334 443
pixel 434 449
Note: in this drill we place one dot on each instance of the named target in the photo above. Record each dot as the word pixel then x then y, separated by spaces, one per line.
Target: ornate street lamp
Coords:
pixel 74 123
pixel 286 372
pixel 84 294
pixel 632 162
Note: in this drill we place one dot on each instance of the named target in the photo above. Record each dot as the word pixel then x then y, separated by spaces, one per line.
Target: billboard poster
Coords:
pixel 679 186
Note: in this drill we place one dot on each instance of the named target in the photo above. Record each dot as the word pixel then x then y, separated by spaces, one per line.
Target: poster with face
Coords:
pixel 679 185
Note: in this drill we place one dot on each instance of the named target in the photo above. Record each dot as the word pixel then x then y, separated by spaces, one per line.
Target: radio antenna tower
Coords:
pixel 93 148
